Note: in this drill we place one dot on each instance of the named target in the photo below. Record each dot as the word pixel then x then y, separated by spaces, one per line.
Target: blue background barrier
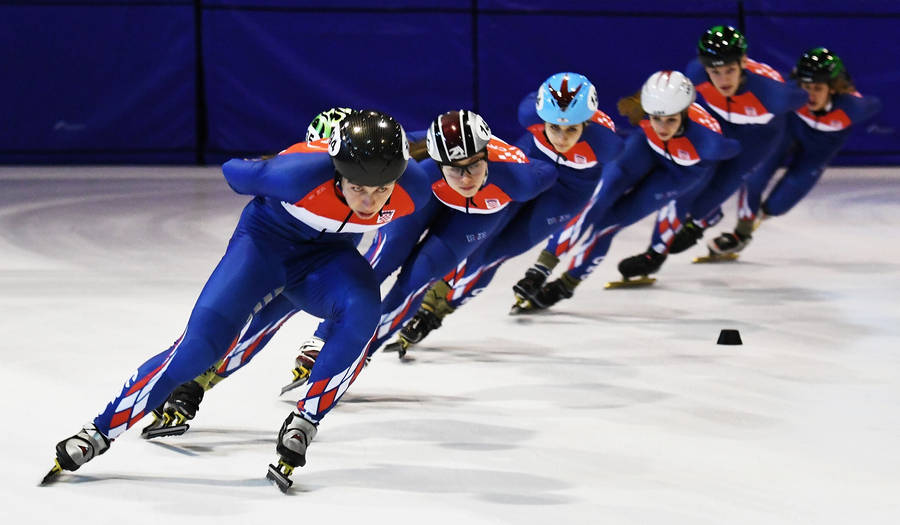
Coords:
pixel 198 82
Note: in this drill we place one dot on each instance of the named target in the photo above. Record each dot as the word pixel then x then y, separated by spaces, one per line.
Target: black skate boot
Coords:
pixel 414 331
pixel 554 292
pixel 429 317
pixel 75 451
pixel 686 237
pixel 636 269
pixel 529 286
pixel 728 243
pixel 294 437
pixel 309 352
pixel 549 294
pixel 170 419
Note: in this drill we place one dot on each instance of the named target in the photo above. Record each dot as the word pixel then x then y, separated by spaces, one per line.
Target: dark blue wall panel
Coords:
pixel 578 7
pixel 111 83
pixel 342 5
pixel 123 80
pixel 268 74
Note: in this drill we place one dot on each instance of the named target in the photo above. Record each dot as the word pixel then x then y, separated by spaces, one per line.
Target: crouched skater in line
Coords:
pixel 295 241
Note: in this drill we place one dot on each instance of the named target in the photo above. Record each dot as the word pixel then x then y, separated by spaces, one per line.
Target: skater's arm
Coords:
pixel 285 177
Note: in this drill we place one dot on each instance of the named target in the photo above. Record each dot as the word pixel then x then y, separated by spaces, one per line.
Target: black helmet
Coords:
pixel 818 65
pixel 721 45
pixel 369 148
pixel 457 135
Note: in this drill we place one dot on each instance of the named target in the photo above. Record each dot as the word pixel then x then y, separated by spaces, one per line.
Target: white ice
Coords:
pixel 615 407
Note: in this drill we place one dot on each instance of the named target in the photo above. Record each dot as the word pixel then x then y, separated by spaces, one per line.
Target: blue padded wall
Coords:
pixel 198 81
pixel 267 72
pixel 105 83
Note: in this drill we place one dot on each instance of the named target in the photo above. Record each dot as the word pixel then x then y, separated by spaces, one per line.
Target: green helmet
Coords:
pixel 721 45
pixel 818 65
pixel 325 122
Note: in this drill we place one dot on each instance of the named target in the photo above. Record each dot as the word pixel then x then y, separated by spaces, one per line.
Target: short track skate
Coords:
pixel 300 379
pixel 523 307
pixel 400 346
pixel 53 475
pixel 165 426
pixel 280 475
pixel 632 282
pixel 716 258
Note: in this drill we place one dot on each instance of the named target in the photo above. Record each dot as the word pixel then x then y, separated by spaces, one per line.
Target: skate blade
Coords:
pixel 53 475
pixel 716 258
pixel 631 283
pixel 158 432
pixel 293 384
pixel 522 307
pixel 397 346
pixel 279 478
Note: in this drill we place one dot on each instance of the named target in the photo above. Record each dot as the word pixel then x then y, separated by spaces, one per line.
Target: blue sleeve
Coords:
pixel 782 97
pixel 604 141
pixel 635 162
pixel 729 148
pixel 523 182
pixel 416 136
pixel 860 109
pixel 287 177
pixel 695 71
pixel 527 113
pixel 417 184
pixel 715 146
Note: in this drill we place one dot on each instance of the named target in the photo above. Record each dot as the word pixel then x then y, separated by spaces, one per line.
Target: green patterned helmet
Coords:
pixel 325 122
pixel 721 45
pixel 818 65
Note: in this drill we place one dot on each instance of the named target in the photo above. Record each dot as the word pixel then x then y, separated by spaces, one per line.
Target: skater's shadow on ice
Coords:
pixel 490 350
pixel 179 480
pixel 215 440
pixel 512 488
pixel 449 434
pixel 350 400
pixel 866 268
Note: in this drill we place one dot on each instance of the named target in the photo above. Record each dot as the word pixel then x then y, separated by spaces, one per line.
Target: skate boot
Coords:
pixel 429 316
pixel 636 269
pixel 556 291
pixel 294 437
pixel 549 294
pixel 414 331
pixel 528 287
pixel 686 237
pixel 728 243
pixel 309 351
pixel 75 451
pixel 170 418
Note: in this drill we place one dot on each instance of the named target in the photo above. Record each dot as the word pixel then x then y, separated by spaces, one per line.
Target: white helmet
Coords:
pixel 667 93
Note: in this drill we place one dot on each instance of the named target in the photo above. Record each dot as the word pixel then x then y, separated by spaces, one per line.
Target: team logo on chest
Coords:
pixel 385 216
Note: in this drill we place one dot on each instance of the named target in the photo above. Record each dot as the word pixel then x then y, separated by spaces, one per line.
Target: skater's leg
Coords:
pixel 799 179
pixel 246 278
pixel 341 288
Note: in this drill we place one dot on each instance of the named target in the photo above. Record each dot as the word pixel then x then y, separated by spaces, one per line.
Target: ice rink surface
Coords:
pixel 615 407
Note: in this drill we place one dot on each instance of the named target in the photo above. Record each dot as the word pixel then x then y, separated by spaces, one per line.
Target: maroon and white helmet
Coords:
pixel 457 135
pixel 667 93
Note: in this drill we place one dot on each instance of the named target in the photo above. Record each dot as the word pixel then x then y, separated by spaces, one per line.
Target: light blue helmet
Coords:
pixel 567 99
